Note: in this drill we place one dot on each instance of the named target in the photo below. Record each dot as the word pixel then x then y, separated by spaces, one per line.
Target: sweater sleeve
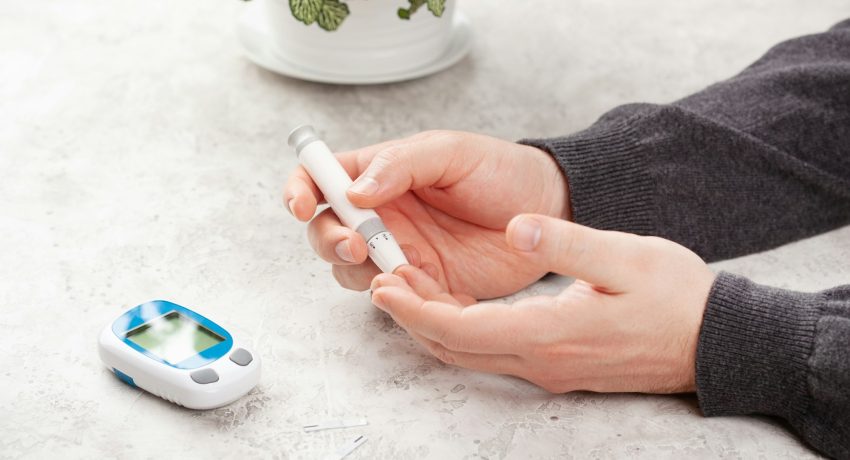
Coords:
pixel 770 351
pixel 745 165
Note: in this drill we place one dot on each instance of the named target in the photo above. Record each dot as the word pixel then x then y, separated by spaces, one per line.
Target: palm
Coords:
pixel 467 244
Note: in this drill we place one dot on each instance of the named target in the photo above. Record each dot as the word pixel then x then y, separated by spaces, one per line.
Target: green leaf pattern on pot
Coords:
pixel 329 14
pixel 306 11
pixel 414 5
pixel 332 14
pixel 437 7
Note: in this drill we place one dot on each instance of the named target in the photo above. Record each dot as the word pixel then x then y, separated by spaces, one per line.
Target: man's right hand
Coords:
pixel 447 197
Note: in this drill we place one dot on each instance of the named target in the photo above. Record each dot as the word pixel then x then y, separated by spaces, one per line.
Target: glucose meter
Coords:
pixel 178 355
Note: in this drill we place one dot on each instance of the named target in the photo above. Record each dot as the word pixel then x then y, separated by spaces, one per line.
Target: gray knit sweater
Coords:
pixel 745 165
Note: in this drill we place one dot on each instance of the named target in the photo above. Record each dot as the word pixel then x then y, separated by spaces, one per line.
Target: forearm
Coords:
pixel 742 166
pixel 769 351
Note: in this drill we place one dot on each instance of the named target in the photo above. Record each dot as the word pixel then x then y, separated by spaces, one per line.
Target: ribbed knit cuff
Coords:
pixel 607 173
pixel 753 350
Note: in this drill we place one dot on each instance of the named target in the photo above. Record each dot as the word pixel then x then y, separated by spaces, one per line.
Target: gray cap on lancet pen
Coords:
pixel 301 136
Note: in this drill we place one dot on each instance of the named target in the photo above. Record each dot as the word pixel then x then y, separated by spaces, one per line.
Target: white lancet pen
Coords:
pixel 333 181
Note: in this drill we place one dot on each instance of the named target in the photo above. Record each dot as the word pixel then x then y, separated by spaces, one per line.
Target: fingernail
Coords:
pixel 343 250
pixel 526 234
pixel 364 186
pixel 289 206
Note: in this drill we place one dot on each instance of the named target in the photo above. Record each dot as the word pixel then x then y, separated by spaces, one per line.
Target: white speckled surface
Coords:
pixel 142 157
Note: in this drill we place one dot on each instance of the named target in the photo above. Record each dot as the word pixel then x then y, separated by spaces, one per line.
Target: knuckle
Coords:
pixel 429 134
pixel 389 156
pixel 442 136
pixel 443 354
pixel 457 342
pixel 447 339
pixel 567 245
pixel 542 352
pixel 450 340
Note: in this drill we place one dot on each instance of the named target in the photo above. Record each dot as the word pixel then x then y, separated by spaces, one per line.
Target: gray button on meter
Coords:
pixel 241 357
pixel 204 376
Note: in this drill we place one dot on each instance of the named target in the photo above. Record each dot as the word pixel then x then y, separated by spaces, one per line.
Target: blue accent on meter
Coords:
pixel 124 378
pixel 147 312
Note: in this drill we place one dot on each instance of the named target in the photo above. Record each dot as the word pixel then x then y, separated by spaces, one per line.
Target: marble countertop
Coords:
pixel 143 157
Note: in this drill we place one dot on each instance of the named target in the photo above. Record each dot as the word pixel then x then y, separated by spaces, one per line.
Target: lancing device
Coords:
pixel 333 181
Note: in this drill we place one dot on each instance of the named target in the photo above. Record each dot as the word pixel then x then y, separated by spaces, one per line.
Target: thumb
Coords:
pixel 602 258
pixel 426 160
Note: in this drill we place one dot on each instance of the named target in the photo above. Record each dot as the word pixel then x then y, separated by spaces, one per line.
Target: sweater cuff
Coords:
pixel 753 350
pixel 607 174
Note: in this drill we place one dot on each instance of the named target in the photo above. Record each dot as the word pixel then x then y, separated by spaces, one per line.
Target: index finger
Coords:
pixel 302 196
pixel 480 328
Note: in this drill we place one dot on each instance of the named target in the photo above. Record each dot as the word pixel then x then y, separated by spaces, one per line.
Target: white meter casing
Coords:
pixel 178 355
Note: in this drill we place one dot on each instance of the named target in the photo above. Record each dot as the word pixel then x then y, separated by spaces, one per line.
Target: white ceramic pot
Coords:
pixel 372 39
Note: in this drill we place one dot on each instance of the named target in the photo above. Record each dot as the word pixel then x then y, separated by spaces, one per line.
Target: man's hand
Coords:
pixel 630 322
pixel 447 197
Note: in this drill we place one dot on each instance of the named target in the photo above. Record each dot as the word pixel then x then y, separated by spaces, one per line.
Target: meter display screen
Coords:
pixel 174 337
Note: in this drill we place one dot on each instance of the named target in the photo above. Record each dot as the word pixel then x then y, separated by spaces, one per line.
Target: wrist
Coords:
pixel 701 293
pixel 558 187
pixel 609 176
